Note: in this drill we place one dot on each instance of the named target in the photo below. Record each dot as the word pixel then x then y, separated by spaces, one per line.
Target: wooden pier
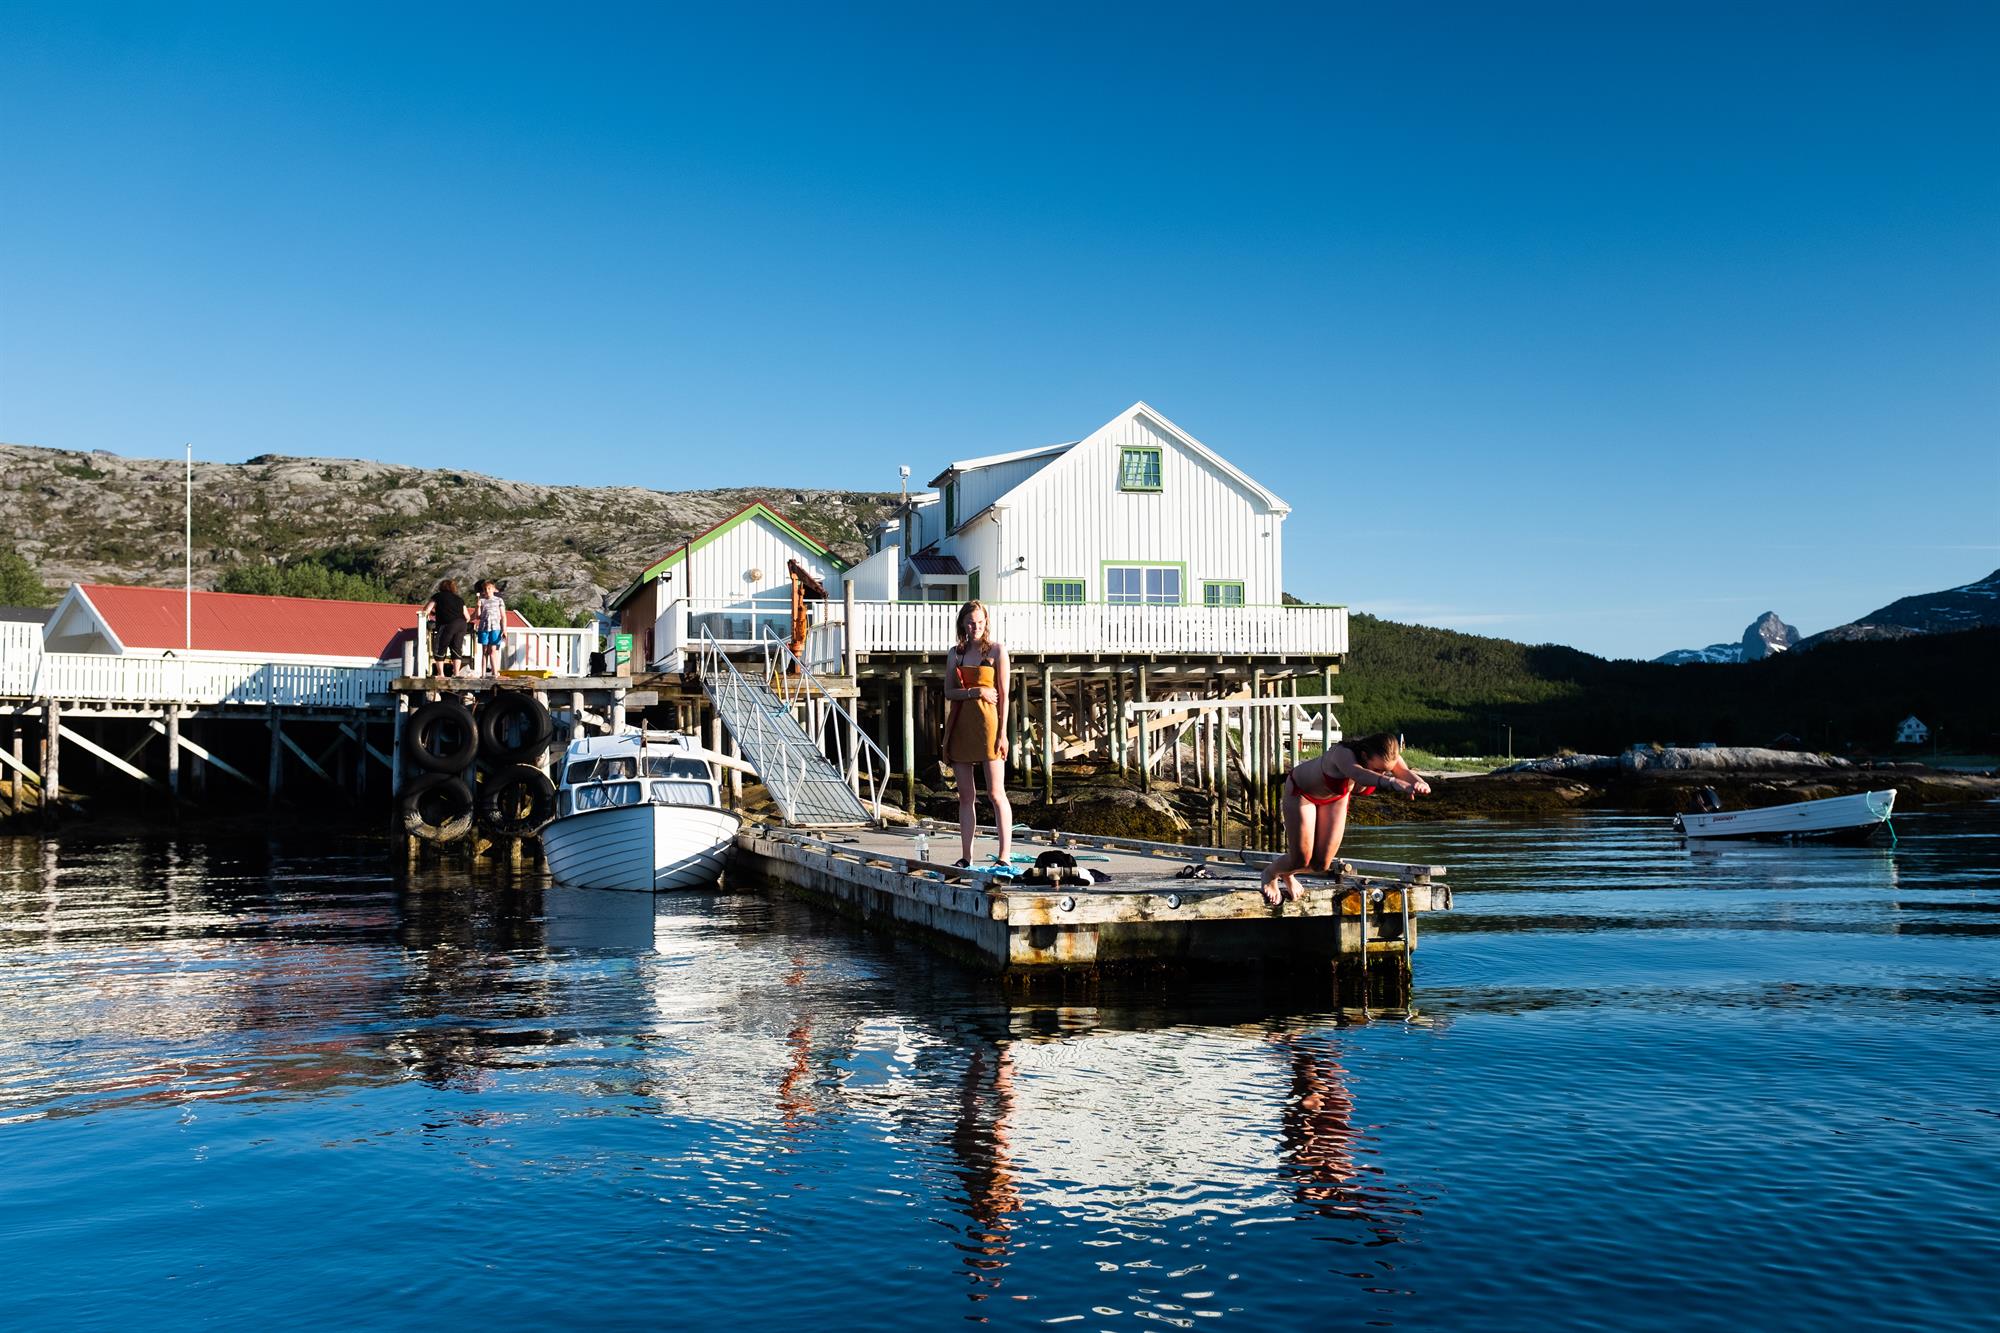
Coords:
pixel 1361 923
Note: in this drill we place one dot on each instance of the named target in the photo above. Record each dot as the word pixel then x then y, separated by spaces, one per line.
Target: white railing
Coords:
pixel 559 650
pixel 736 625
pixel 105 678
pixel 858 762
pixel 1034 627
pixel 1025 627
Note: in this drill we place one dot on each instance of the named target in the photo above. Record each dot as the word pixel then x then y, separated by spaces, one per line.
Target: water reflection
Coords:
pixel 742 1092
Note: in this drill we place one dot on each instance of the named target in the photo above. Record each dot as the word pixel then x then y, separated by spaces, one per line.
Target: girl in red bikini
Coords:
pixel 1316 796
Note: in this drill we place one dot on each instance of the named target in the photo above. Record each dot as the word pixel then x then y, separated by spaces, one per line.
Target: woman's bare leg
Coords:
pixel 1332 828
pixel 1278 882
pixel 968 811
pixel 1003 811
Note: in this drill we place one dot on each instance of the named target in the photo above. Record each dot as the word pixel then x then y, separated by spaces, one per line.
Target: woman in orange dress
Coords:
pixel 975 728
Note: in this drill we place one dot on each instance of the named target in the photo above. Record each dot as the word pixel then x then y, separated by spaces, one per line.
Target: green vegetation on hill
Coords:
pixel 20 585
pixel 305 578
pixel 545 612
pixel 1459 693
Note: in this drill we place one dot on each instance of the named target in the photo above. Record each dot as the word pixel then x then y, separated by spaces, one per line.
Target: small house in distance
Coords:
pixel 1912 731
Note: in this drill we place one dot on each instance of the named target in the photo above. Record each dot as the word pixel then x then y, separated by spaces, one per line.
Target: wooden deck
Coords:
pixel 1146 916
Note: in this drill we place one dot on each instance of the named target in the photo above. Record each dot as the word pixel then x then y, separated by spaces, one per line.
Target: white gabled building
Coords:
pixel 1912 731
pixel 732 581
pixel 1137 513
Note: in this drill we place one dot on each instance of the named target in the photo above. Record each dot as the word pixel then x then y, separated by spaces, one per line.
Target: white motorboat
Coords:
pixel 640 812
pixel 1857 817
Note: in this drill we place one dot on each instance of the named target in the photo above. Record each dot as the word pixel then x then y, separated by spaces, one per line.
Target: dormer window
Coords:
pixel 1139 470
pixel 951 507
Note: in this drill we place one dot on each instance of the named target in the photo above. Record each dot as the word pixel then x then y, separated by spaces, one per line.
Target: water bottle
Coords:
pixel 923 845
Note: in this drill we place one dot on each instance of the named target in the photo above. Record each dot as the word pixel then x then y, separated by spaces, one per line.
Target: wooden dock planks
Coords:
pixel 1144 915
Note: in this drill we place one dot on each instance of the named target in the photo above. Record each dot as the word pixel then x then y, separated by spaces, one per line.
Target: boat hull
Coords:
pixel 1857 817
pixel 641 848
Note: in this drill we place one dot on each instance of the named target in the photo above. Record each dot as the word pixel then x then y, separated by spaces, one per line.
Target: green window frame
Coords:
pixel 1062 592
pixel 972 586
pixel 1144 583
pixel 1139 469
pixel 951 507
pixel 1222 592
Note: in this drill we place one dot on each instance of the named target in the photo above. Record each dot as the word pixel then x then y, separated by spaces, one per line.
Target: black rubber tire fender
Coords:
pixel 516 801
pixel 442 737
pixel 437 807
pixel 514 728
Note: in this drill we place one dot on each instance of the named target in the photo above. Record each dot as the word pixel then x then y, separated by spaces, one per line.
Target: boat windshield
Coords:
pixel 606 794
pixel 615 768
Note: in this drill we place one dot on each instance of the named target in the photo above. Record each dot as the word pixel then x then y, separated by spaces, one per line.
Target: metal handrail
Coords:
pixel 854 757
pixel 721 675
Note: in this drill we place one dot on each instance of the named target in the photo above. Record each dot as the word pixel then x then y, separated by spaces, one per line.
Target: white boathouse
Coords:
pixel 1125 569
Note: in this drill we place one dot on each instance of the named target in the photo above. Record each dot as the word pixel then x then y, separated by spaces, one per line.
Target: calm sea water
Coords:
pixel 246 1082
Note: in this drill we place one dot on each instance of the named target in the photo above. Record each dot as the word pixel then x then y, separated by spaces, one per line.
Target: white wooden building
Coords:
pixel 1912 731
pixel 1137 513
pixel 733 581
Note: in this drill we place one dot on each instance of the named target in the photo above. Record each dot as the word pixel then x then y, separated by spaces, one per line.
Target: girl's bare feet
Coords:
pixel 1273 895
pixel 1294 891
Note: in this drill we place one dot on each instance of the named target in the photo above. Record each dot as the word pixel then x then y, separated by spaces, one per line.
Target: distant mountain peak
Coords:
pixel 1969 606
pixel 1767 635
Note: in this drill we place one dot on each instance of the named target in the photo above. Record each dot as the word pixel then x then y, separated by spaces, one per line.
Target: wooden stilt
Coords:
pixel 1048 734
pixel 18 784
pixel 52 762
pixel 274 771
pixel 909 741
pixel 396 722
pixel 1114 704
pixel 1144 749
pixel 174 754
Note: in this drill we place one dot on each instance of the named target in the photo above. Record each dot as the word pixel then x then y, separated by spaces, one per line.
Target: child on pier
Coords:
pixel 492 627
pixel 1317 793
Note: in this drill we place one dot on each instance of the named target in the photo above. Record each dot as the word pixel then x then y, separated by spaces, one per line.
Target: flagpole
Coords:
pixel 187 581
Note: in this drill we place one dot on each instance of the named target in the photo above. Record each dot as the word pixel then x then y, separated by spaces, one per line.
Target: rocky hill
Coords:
pixel 1766 635
pixel 1972 606
pixel 104 517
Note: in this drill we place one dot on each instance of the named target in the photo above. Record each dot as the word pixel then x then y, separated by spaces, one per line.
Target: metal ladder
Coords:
pixel 785 724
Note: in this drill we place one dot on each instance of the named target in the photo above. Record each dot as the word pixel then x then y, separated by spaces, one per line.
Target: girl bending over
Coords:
pixel 1316 796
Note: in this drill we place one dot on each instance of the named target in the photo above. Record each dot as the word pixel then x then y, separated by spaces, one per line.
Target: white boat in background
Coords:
pixel 1858 817
pixel 640 812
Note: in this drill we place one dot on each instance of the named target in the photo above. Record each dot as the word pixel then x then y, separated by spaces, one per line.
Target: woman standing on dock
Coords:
pixel 446 612
pixel 1317 794
pixel 975 728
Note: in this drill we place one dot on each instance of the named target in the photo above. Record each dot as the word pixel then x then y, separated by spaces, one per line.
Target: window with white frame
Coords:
pixel 1142 585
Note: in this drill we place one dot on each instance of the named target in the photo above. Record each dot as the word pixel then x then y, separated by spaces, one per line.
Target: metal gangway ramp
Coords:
pixel 786 723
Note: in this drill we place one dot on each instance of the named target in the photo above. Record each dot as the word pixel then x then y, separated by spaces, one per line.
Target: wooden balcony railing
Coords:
pixel 1025 627
pixel 108 678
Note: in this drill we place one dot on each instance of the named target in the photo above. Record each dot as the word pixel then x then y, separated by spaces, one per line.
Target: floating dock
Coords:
pixel 1150 913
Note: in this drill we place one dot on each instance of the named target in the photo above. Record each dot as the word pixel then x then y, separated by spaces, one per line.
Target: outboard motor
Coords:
pixel 1708 800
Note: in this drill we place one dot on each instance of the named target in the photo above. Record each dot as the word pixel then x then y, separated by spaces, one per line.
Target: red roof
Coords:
pixel 228 622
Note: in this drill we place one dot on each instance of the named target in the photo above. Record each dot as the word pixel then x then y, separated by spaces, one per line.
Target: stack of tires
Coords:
pixel 483 767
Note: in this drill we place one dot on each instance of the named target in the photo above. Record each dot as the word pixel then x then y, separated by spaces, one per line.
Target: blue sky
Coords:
pixel 1609 325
